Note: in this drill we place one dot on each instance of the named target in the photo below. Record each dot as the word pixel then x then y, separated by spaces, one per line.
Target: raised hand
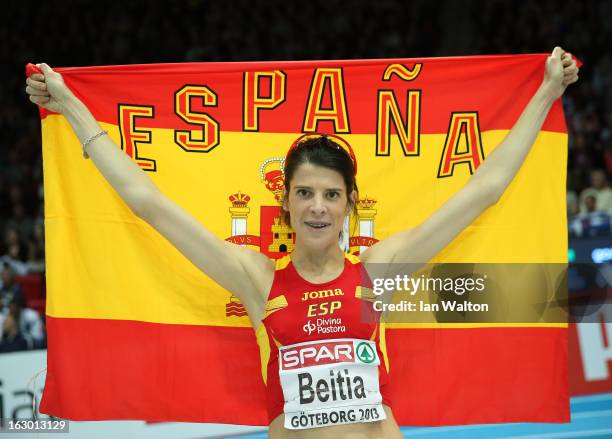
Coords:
pixel 48 89
pixel 561 70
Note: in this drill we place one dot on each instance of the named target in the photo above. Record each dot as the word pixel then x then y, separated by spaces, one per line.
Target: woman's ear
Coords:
pixel 285 201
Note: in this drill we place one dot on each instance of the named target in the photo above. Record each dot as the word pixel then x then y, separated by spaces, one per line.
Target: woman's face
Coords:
pixel 318 203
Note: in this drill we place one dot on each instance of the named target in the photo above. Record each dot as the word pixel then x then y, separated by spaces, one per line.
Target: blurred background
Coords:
pixel 85 33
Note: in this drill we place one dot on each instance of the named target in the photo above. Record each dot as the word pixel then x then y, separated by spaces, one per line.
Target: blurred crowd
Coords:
pixel 86 32
pixel 582 28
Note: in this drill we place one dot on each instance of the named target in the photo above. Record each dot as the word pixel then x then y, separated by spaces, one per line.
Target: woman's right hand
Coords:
pixel 48 89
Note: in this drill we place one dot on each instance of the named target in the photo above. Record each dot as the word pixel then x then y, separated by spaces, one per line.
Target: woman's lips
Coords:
pixel 317 225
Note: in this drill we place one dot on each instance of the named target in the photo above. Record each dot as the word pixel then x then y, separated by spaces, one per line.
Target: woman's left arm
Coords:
pixel 488 183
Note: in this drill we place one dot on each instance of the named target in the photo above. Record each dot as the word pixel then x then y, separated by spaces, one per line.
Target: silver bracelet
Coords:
pixel 91 139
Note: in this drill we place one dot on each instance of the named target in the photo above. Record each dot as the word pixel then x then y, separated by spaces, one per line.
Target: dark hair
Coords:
pixel 320 151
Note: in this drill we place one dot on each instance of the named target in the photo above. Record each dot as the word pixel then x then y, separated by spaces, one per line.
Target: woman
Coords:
pixel 282 297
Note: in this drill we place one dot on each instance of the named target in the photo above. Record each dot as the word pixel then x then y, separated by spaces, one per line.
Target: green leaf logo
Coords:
pixel 365 352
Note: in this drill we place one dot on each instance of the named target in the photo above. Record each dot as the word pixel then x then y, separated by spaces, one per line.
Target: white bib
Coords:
pixel 330 382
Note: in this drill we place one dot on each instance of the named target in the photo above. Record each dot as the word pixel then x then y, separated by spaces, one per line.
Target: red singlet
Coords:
pixel 299 311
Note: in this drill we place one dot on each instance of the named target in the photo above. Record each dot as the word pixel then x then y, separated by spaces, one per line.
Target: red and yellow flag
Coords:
pixel 137 332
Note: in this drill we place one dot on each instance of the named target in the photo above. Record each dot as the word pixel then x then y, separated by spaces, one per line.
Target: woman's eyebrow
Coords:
pixel 327 189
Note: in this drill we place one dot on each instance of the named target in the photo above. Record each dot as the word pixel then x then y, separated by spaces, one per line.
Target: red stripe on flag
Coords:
pixel 478 375
pixel 477 83
pixel 116 369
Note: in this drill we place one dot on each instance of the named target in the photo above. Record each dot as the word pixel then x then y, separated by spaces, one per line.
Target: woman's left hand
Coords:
pixel 561 70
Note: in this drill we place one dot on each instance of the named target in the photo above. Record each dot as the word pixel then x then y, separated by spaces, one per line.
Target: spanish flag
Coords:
pixel 135 331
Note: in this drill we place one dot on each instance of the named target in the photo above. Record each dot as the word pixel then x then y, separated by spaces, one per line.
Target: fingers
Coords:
pixel 36 88
pixel 570 68
pixel 571 80
pixel 557 52
pixel 44 67
pixel 570 71
pixel 570 74
pixel 38 85
pixel 39 100
pixel 36 92
pixel 568 65
pixel 571 77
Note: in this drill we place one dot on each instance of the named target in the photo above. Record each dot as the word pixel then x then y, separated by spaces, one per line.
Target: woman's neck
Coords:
pixel 318 265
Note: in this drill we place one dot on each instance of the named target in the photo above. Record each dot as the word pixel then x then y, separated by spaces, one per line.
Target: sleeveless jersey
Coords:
pixel 308 326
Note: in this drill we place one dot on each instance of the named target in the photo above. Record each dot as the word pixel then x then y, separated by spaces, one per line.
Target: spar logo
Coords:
pixel 316 354
pixel 366 353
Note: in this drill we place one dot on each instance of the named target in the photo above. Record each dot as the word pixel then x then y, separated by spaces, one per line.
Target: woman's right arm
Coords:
pixel 246 273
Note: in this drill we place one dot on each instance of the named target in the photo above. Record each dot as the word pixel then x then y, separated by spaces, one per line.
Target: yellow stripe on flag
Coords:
pixel 126 270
